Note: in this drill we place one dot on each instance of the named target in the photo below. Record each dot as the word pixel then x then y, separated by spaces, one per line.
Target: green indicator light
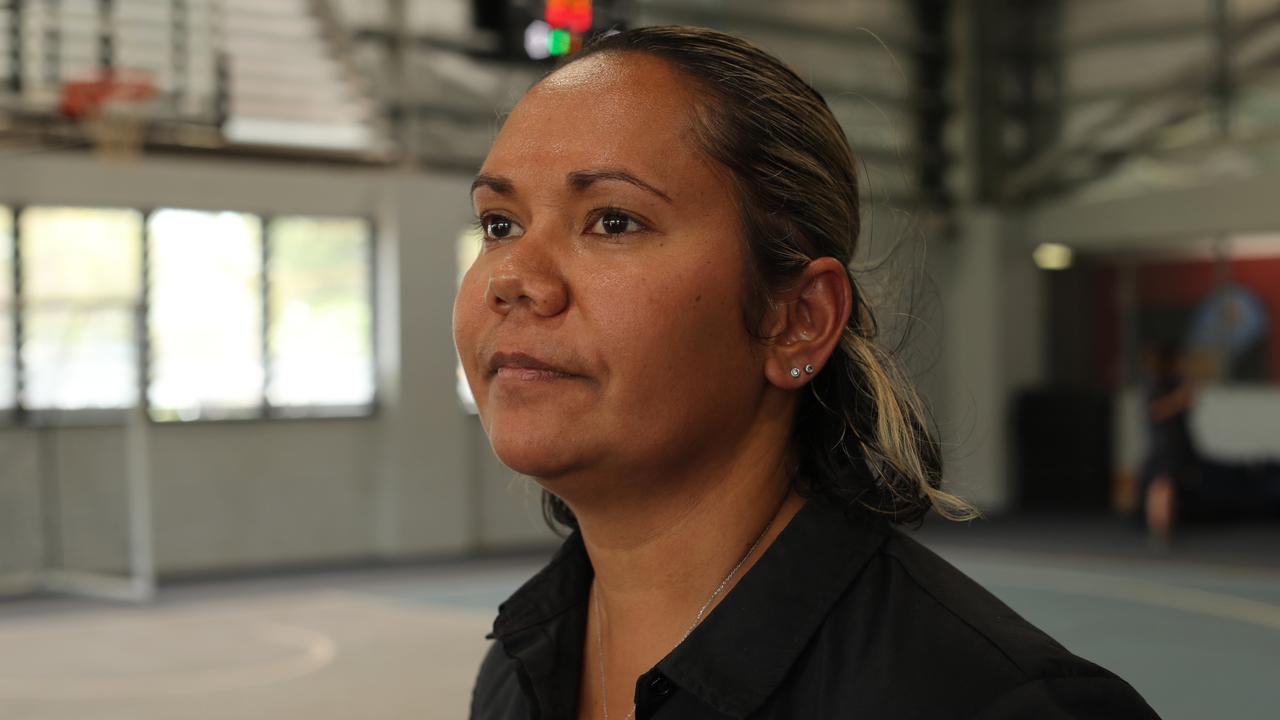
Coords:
pixel 558 42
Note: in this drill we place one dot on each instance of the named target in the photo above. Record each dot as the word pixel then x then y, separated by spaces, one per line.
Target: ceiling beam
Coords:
pixel 1163 216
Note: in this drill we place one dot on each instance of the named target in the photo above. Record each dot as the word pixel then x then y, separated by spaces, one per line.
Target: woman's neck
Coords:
pixel 659 558
pixel 680 539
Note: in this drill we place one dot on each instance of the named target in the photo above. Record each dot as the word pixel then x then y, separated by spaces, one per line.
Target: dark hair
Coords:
pixel 861 435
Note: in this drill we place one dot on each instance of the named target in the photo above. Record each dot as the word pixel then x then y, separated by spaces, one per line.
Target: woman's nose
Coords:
pixel 528 277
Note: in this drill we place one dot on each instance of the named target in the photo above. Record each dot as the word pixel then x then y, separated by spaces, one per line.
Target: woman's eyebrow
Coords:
pixel 583 179
pixel 579 180
pixel 500 185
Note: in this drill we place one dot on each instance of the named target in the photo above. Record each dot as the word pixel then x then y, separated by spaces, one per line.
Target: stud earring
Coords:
pixel 795 372
pixel 808 369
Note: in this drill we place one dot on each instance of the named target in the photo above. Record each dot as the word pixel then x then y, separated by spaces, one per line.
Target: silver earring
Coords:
pixel 795 372
pixel 808 369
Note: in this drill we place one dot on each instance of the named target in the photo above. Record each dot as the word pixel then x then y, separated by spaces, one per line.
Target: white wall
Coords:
pixel 21 545
pixel 1229 424
pixel 416 479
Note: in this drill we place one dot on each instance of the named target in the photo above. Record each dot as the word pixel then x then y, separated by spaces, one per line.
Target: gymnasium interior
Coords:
pixel 241 474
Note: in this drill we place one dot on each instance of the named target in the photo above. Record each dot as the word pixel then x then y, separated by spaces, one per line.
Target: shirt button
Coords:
pixel 660 686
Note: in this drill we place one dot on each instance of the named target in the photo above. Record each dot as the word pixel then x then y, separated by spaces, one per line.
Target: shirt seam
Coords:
pixel 1023 672
pixel 1032 680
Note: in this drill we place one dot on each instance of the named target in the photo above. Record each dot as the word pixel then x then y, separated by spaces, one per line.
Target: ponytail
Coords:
pixel 864 434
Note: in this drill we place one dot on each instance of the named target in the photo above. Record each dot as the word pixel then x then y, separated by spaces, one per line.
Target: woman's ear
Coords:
pixel 807 322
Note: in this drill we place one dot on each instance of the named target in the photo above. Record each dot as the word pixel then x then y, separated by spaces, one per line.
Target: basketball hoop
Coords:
pixel 112 108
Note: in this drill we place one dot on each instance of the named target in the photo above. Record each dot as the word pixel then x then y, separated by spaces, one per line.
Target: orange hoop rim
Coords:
pixel 84 98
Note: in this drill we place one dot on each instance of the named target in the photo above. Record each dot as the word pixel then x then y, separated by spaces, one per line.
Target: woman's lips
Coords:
pixel 526 367
pixel 527 374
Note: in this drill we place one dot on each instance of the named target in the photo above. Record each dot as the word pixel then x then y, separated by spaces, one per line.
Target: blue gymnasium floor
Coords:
pixel 1196 630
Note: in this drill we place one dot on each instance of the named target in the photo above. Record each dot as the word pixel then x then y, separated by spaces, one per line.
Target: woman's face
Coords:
pixel 601 326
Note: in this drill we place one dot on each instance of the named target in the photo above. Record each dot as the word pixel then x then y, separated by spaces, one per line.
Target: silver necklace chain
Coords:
pixel 595 597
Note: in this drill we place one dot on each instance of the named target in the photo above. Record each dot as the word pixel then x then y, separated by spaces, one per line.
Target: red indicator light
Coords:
pixel 572 15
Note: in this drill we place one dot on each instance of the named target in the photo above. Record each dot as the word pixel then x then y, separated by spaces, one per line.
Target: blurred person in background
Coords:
pixel 1180 484
pixel 663 330
pixel 1172 467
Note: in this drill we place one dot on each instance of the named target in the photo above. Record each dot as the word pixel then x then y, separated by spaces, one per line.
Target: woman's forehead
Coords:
pixel 603 110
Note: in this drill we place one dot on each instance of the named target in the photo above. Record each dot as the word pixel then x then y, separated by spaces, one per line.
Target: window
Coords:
pixel 8 390
pixel 466 250
pixel 205 315
pixel 321 319
pixel 241 317
pixel 81 280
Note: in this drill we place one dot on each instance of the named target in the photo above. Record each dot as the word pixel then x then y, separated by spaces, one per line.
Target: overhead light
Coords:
pixel 1052 256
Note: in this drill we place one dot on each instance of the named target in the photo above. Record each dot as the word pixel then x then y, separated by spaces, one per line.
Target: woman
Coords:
pixel 661 330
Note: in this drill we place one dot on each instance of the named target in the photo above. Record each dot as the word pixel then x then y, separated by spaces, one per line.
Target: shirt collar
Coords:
pixel 767 619
pixel 556 589
pixel 542 627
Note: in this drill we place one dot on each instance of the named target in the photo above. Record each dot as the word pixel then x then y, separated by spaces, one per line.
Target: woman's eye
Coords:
pixel 499 227
pixel 614 222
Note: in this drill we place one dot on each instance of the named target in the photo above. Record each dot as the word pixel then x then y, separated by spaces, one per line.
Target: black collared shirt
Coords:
pixel 843 616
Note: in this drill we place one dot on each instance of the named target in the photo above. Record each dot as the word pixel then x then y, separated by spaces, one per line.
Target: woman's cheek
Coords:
pixel 662 324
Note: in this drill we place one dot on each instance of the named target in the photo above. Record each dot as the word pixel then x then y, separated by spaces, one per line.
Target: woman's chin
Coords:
pixel 537 457
pixel 540 442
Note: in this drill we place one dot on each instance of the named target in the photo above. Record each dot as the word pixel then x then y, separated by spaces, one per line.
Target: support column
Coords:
pixel 993 346
pixel 422 501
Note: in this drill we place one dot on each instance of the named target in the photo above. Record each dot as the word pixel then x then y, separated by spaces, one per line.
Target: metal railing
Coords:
pixel 1112 125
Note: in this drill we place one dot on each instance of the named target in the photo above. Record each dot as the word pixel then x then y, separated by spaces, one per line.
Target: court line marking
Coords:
pixel 316 650
pixel 1154 562
pixel 1142 592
